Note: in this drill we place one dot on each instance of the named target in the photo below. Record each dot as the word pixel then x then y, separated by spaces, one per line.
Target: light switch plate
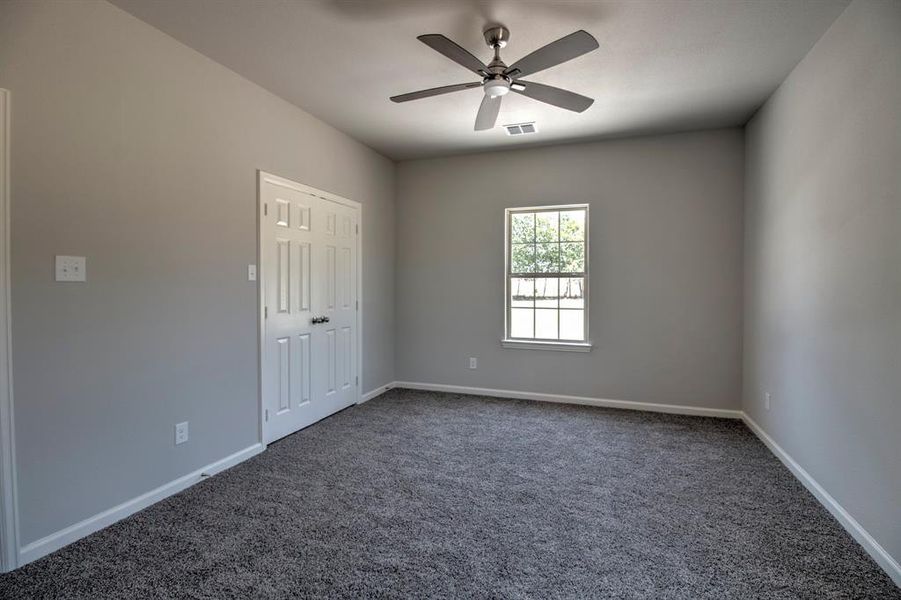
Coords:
pixel 251 272
pixel 71 268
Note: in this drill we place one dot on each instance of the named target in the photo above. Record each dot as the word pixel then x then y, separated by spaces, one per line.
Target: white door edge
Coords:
pixel 264 177
pixel 9 514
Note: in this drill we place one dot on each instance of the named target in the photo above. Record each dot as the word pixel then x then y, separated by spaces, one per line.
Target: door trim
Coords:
pixel 264 177
pixel 9 513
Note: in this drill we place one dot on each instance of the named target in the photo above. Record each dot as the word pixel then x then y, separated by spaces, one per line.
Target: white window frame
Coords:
pixel 543 344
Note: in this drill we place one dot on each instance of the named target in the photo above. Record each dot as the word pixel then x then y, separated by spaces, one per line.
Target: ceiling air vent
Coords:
pixel 520 128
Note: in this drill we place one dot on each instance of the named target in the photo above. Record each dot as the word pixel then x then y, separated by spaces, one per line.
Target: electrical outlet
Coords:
pixel 766 400
pixel 181 433
pixel 473 362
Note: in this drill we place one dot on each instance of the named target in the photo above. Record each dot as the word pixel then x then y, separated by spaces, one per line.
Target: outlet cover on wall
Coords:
pixel 473 362
pixel 71 268
pixel 766 400
pixel 181 433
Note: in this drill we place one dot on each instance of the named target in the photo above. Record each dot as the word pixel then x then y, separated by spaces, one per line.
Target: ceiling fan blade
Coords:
pixel 453 51
pixel 553 95
pixel 445 89
pixel 564 49
pixel 488 112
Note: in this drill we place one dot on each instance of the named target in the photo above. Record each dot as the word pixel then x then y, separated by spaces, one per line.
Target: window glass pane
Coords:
pixel 523 227
pixel 546 323
pixel 572 258
pixel 572 226
pixel 547 258
pixel 522 291
pixel 547 242
pixel 546 292
pixel 523 258
pixel 572 292
pixel 546 227
pixel 521 323
pixel 571 325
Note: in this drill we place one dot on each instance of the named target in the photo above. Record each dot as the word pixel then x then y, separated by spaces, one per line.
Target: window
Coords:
pixel 547 278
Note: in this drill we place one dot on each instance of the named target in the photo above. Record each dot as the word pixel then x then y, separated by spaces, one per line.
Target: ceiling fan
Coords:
pixel 498 79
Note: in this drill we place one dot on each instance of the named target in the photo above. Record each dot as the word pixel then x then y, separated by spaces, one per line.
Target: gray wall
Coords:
pixel 665 254
pixel 141 154
pixel 823 249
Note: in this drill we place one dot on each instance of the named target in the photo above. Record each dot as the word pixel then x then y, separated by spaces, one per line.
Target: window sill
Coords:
pixel 555 346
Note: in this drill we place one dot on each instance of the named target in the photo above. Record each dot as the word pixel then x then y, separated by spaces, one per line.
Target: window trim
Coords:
pixel 524 344
pixel 543 343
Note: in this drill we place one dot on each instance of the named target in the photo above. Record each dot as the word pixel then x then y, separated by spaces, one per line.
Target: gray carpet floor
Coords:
pixel 426 495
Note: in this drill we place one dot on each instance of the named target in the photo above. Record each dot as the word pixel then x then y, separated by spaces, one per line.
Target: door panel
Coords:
pixel 283 208
pixel 344 359
pixel 302 365
pixel 331 354
pixel 330 277
pixel 308 271
pixel 284 275
pixel 303 216
pixel 284 375
pixel 303 277
pixel 344 285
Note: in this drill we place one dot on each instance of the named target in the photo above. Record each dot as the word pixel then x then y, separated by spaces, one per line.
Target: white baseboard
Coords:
pixel 375 393
pixel 625 404
pixel 863 537
pixel 66 536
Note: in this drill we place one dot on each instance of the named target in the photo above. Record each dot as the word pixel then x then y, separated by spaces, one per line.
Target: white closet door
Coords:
pixel 309 278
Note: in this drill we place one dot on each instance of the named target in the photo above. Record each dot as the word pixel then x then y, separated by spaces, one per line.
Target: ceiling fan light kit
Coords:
pixel 496 87
pixel 498 79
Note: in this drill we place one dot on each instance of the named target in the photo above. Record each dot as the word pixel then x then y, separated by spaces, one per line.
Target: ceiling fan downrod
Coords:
pixel 496 83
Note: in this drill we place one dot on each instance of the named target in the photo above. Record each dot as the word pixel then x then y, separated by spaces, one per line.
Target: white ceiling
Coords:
pixel 662 66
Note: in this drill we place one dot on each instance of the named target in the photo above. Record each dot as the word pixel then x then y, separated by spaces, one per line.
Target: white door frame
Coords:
pixel 264 177
pixel 9 515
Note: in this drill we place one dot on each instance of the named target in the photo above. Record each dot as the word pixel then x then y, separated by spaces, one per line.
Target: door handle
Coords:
pixel 318 320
